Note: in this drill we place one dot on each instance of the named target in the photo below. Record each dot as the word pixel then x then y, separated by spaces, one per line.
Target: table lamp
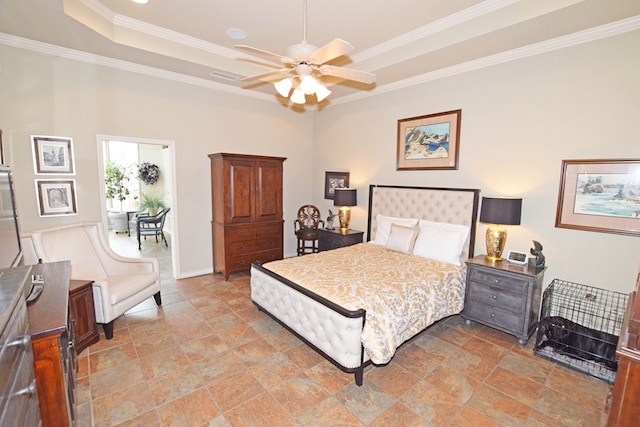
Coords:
pixel 344 198
pixel 498 212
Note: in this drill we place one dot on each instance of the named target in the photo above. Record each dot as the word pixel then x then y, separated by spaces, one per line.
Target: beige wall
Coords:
pixel 519 121
pixel 51 96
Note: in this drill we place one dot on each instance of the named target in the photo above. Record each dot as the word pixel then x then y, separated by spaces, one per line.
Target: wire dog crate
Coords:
pixel 580 326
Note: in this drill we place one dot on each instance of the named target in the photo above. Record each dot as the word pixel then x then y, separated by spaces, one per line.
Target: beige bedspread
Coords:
pixel 402 294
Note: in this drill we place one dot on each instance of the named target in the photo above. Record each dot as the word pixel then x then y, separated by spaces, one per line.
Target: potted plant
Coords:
pixel 151 202
pixel 116 178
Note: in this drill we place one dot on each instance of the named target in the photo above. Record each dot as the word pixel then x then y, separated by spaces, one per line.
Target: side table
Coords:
pixel 503 296
pixel 333 239
pixel 83 313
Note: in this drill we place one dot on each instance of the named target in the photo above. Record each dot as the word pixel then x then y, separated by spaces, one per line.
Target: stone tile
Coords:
pixel 329 377
pixel 485 349
pixel 454 336
pixel 366 402
pixel 234 389
pixel 432 404
pixel 298 394
pixel 328 413
pixel 392 379
pixel 453 382
pixel 536 369
pixel 150 344
pixel 497 337
pixel 148 419
pixel 274 370
pixel 469 364
pixel 517 386
pixel 83 364
pixel 112 357
pixel 204 348
pixel 499 407
pixel 563 408
pixel 399 415
pixel 436 349
pixel 304 356
pixel 416 360
pixel 173 384
pixel 282 340
pixel 580 387
pixel 254 351
pixel 194 409
pixel 261 411
pixel 216 366
pixel 120 338
pixel 117 378
pixel 468 417
pixel 122 405
pixel 163 362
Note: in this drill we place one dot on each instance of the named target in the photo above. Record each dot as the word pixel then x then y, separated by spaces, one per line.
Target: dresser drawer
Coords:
pixel 243 248
pixel 493 296
pixel 15 343
pixel 505 282
pixel 492 315
pixel 243 262
pixel 273 230
pixel 239 233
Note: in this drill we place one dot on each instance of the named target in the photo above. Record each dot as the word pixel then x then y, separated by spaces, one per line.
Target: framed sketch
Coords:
pixel 52 154
pixel 429 142
pixel 600 195
pixel 56 197
pixel 333 180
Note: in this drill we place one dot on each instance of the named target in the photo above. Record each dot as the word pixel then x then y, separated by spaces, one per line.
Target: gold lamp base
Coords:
pixel 344 215
pixel 496 239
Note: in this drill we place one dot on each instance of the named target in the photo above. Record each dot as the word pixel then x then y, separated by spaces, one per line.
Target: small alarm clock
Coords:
pixel 518 258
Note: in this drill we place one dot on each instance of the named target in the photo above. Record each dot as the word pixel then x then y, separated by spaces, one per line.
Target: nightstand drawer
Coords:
pixel 479 293
pixel 492 315
pixel 503 281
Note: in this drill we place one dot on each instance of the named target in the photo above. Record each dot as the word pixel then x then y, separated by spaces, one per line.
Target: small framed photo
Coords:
pixel 56 197
pixel 52 154
pixel 333 180
pixel 429 142
pixel 518 258
pixel 600 195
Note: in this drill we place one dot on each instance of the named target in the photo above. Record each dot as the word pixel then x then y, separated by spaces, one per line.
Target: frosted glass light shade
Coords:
pixel 308 85
pixel 322 92
pixel 298 97
pixel 283 87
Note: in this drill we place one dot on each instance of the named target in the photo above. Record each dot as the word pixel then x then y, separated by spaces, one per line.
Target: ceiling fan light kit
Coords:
pixel 308 63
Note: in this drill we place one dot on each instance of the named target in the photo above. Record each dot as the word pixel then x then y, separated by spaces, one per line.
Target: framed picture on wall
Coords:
pixel 52 154
pixel 333 180
pixel 600 195
pixel 56 197
pixel 429 142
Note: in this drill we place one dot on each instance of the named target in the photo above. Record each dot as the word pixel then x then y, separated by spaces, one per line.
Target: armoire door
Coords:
pixel 268 196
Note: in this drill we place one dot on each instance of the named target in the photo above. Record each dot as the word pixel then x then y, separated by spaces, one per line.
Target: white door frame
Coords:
pixel 175 258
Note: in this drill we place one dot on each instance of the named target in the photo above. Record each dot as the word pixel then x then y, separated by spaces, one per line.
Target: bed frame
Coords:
pixel 330 329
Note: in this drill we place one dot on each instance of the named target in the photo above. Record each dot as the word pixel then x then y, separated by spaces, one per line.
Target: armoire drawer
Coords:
pixel 241 248
pixel 243 262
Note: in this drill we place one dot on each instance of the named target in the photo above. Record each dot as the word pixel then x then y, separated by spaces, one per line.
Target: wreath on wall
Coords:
pixel 148 173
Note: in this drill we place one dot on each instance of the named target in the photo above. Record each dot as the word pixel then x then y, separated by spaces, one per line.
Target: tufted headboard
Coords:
pixel 452 205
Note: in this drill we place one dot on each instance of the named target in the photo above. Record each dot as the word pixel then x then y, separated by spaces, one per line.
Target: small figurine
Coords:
pixel 330 219
pixel 537 260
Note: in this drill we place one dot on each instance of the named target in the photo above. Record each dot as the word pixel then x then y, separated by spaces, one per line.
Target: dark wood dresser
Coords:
pixel 52 338
pixel 18 391
pixel 246 195
pixel 625 406
pixel 83 314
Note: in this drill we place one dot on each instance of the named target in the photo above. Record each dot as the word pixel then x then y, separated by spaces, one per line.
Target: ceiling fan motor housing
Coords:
pixel 301 52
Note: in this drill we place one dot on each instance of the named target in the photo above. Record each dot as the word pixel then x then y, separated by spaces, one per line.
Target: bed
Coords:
pixel 357 305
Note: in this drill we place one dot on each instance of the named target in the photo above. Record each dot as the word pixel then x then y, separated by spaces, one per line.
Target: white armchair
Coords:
pixel 119 283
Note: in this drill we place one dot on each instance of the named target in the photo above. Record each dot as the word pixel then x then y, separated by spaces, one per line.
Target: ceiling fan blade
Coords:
pixel 269 55
pixel 348 74
pixel 331 50
pixel 266 75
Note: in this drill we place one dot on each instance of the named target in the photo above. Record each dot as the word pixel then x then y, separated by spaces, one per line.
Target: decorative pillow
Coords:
pixel 441 241
pixel 401 238
pixel 384 226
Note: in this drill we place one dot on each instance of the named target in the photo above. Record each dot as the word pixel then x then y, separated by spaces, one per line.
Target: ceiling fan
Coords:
pixel 305 63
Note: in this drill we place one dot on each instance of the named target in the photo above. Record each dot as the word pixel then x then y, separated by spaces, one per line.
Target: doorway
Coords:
pixel 129 154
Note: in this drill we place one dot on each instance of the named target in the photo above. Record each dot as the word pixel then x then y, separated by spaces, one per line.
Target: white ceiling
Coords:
pixel 403 42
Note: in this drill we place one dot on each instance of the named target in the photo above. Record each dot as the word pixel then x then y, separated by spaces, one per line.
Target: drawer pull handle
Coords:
pixel 28 390
pixel 496 281
pixel 493 315
pixel 494 296
pixel 22 341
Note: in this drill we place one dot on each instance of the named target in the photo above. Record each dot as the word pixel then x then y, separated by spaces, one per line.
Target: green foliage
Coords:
pixel 115 179
pixel 150 202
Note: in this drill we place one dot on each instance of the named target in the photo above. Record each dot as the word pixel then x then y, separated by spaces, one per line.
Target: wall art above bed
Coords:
pixel 429 142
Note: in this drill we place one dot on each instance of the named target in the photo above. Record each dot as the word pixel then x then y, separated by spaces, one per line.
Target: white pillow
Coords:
pixel 401 238
pixel 383 224
pixel 441 241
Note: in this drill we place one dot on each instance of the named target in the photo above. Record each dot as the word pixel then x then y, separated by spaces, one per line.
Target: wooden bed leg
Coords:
pixel 359 376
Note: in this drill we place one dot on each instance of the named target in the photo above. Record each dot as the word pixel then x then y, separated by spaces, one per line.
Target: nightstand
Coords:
pixel 333 239
pixel 503 296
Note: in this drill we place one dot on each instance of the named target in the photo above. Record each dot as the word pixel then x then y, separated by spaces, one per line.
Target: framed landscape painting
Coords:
pixel 600 195
pixel 429 142
pixel 52 154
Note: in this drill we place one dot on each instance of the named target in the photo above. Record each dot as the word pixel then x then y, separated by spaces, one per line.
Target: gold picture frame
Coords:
pixel 429 142
pixel 56 197
pixel 600 195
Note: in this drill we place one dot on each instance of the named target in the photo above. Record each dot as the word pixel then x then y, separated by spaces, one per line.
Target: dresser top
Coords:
pixel 481 260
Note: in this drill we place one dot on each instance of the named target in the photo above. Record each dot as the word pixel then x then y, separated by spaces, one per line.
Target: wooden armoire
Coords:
pixel 246 195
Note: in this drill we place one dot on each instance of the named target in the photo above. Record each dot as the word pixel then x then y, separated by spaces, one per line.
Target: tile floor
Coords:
pixel 209 358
